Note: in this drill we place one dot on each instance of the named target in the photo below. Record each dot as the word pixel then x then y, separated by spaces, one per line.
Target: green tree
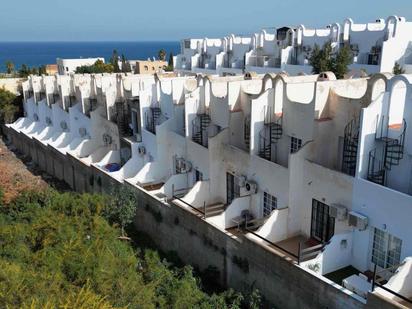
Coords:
pixel 10 105
pixel 24 71
pixel 125 65
pixel 9 67
pixel 170 65
pixel 162 55
pixel 397 69
pixel 98 67
pixel 324 59
pixel 114 60
pixel 321 58
pixel 341 62
pixel 121 208
pixel 42 70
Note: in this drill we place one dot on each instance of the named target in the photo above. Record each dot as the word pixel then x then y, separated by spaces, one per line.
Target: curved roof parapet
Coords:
pixel 191 84
pixel 250 75
pixel 326 76
pixel 406 78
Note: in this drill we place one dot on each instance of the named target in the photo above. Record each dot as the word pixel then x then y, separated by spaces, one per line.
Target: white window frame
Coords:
pixel 270 203
pixel 386 249
pixel 295 144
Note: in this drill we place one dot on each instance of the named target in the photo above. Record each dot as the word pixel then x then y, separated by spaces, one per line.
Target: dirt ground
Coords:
pixel 18 174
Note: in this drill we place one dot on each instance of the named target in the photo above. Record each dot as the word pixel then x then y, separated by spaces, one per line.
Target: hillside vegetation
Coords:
pixel 58 251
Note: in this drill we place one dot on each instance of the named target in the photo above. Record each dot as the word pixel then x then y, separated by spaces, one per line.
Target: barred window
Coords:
pixel 270 203
pixel 295 144
pixel 386 250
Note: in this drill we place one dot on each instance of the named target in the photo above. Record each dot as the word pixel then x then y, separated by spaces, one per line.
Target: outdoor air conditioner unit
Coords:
pixel 182 166
pixel 354 47
pixel 107 139
pixel 48 121
pixel 141 150
pixel 307 49
pixel 242 181
pixel 82 132
pixel 339 212
pixel 250 188
pixel 63 125
pixel 358 221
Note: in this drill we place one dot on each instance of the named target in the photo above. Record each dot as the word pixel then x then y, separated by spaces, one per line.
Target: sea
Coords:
pixel 35 54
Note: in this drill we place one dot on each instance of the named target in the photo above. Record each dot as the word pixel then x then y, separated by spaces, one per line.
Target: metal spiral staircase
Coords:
pixel 269 135
pixel 389 154
pixel 246 132
pixel 350 147
pixel 122 118
pixel 153 119
pixel 199 129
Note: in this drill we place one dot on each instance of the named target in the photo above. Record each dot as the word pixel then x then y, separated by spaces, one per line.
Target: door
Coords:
pixel 323 225
pixel 232 188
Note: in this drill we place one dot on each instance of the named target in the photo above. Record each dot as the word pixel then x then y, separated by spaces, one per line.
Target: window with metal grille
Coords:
pixel 198 176
pixel 295 144
pixel 270 203
pixel 386 251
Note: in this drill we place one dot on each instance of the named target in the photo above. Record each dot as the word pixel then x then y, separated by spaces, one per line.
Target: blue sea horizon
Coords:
pixel 35 54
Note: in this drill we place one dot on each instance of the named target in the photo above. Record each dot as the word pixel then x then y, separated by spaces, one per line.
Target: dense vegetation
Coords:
pixel 98 67
pixel 324 59
pixel 10 106
pixel 58 250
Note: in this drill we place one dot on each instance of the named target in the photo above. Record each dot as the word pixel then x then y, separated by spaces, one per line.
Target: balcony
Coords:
pixel 265 61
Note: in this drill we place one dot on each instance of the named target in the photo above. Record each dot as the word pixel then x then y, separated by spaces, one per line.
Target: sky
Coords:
pixel 160 20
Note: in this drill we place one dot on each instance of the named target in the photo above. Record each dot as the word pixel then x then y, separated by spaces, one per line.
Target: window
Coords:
pixel 386 251
pixel 187 44
pixel 232 188
pixel 67 69
pixel 146 68
pixel 270 203
pixel 295 144
pixel 198 176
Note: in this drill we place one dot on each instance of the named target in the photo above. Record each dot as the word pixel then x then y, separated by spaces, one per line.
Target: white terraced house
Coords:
pixel 376 47
pixel 315 170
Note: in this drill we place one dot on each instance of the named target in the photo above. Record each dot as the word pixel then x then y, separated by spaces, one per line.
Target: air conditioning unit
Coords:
pixel 82 132
pixel 358 221
pixel 250 188
pixel 339 212
pixel 63 125
pixel 48 121
pixel 354 47
pixel 141 150
pixel 307 49
pixel 241 181
pixel 183 166
pixel 107 139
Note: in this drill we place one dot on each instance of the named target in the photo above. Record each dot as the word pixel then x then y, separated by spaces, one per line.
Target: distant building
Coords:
pixel 147 66
pixel 52 69
pixel 67 66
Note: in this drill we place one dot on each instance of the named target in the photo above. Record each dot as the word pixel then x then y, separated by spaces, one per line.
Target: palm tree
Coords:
pixel 9 67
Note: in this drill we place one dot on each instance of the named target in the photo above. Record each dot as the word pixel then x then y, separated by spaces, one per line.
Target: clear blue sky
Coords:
pixel 134 20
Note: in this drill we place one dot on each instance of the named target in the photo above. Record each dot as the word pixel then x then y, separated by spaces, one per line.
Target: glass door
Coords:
pixel 232 188
pixel 323 225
